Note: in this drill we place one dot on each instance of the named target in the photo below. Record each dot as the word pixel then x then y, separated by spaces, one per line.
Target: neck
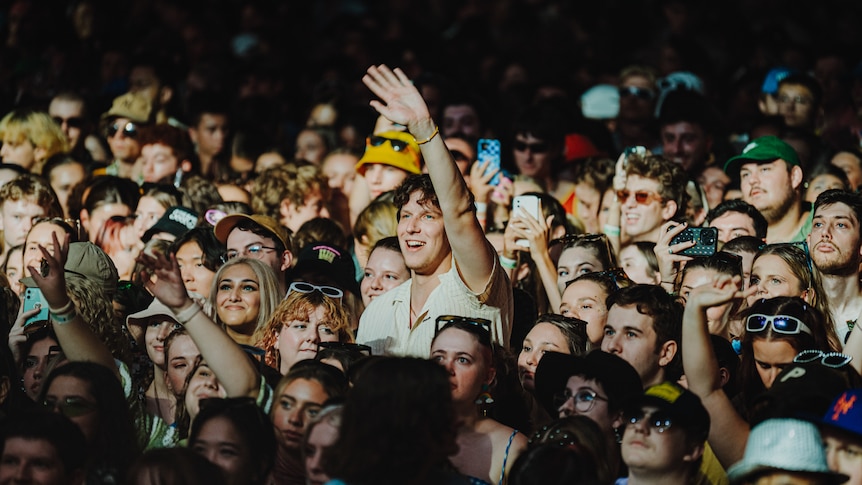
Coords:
pixel 660 477
pixel 241 334
pixel 422 285
pixel 468 415
pixel 843 292
pixel 784 229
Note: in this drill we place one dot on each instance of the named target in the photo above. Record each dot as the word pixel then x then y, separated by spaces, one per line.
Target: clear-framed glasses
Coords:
pixel 658 421
pixel 585 399
pixel 835 360
pixel 785 324
pixel 303 287
pixel 255 251
pixel 799 100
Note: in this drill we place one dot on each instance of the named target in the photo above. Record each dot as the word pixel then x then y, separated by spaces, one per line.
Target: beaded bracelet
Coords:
pixel 184 316
pixel 436 131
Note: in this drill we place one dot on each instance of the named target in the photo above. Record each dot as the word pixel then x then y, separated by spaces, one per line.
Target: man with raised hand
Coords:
pixel 454 269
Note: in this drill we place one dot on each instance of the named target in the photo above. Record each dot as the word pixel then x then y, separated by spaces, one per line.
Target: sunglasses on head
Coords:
pixel 521 146
pixel 835 360
pixel 479 326
pixel 637 92
pixel 617 276
pixel 397 145
pixel 303 287
pixel 785 324
pixel 659 421
pixel 73 122
pixel 129 129
pixel 642 197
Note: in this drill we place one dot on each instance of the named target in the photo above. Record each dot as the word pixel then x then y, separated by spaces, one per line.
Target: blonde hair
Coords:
pixel 297 306
pixel 377 221
pixel 267 285
pixel 37 128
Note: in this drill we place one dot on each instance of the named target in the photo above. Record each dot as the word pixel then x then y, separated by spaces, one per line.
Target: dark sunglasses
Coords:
pixel 129 129
pixel 785 324
pixel 618 276
pixel 637 92
pixel 397 145
pixel 658 421
pixel 835 360
pixel 477 326
pixel 348 346
pixel 642 197
pixel 521 146
pixel 73 122
pixel 71 407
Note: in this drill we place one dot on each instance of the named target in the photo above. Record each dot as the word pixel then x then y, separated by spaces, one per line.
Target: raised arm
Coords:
pixel 227 360
pixel 728 432
pixel 75 337
pixel 401 103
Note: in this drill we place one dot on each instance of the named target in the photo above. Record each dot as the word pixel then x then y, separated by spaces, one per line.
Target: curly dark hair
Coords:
pixel 670 176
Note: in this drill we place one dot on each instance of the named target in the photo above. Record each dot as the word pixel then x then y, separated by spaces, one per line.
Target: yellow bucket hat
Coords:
pixel 395 148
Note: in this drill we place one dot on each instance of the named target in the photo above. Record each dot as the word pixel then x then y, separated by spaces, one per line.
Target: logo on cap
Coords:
pixel 326 253
pixel 843 406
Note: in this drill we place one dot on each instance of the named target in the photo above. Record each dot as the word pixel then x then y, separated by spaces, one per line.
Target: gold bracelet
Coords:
pixel 436 131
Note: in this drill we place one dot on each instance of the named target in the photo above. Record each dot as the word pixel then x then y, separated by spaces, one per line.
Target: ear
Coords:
pixel 165 95
pixel 669 210
pixel 694 454
pixel 796 177
pixel 492 374
pixel 617 419
pixel 558 232
pixel 667 352
pixel 186 166
pixel 4 388
pixel 168 383
pixel 723 376
pixel 286 260
pixel 85 220
pixel 285 209
pixel 40 153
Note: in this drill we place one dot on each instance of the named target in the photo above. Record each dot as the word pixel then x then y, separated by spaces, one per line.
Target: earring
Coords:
pixel 485 396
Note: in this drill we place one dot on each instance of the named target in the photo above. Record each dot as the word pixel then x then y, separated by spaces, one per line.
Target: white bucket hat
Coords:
pixel 784 444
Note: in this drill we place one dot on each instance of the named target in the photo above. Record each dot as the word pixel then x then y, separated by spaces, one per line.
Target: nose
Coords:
pixel 770 376
pixel 187 275
pixel 375 283
pixel 22 473
pixel 373 173
pixel 164 331
pixel 4 150
pixel 640 426
pixel 831 457
pixel 234 293
pixel 567 408
pixel 313 463
pixel 610 344
pixel 531 359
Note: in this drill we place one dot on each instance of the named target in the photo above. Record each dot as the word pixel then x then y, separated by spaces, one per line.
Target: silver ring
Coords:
pixel 670 250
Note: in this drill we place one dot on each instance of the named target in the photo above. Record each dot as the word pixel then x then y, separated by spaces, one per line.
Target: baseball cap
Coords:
pixel 226 224
pixel 579 146
pixel 762 150
pixel 133 106
pixel 617 377
pixel 601 102
pixel 802 389
pixel 87 260
pixel 773 79
pixel 394 148
pixel 845 413
pixel 683 406
pixel 176 220
pixel 326 261
pixel 784 445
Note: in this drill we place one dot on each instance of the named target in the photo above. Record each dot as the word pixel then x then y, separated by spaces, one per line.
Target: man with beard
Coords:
pixel 835 243
pixel 771 180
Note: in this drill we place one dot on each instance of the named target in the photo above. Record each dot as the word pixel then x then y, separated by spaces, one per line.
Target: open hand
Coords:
pixel 400 102
pixel 51 277
pixel 168 287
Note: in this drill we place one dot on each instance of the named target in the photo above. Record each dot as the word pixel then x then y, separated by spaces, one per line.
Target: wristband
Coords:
pixel 184 316
pixel 64 318
pixel 481 206
pixel 612 230
pixel 436 131
pixel 508 263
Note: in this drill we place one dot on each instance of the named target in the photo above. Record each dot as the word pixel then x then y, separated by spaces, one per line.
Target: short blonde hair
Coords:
pixel 37 128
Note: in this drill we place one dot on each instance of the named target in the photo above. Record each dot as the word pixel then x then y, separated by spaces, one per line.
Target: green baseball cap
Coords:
pixel 762 150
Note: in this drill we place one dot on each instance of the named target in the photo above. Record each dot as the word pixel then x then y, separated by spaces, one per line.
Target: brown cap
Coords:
pixel 227 223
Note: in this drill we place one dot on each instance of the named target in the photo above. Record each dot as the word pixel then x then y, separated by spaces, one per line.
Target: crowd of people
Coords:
pixel 236 252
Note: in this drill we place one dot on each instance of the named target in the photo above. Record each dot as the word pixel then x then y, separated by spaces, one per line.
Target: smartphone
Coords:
pixel 489 151
pixel 33 298
pixel 705 238
pixel 531 205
